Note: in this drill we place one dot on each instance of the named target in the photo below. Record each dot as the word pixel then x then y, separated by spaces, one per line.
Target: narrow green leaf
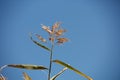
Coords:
pixel 39 44
pixel 26 76
pixel 55 76
pixel 71 68
pixel 27 66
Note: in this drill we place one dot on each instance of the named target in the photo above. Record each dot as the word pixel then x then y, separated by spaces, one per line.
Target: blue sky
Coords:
pixel 92 28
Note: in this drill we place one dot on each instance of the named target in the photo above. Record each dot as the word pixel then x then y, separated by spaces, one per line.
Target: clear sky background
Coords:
pixel 92 28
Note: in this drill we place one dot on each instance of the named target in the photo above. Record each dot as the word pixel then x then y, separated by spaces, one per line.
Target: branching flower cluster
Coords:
pixel 55 36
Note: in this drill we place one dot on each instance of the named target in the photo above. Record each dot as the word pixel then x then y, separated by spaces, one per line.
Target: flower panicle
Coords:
pixel 55 33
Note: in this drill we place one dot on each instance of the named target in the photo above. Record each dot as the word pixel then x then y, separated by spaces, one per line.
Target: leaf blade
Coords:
pixel 26 76
pixel 71 68
pixel 58 74
pixel 39 44
pixel 27 66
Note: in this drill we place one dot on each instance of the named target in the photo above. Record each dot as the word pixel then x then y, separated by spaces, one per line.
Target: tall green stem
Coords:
pixel 50 65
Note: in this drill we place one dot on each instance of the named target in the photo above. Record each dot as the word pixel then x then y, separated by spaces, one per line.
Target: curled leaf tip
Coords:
pixel 1 68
